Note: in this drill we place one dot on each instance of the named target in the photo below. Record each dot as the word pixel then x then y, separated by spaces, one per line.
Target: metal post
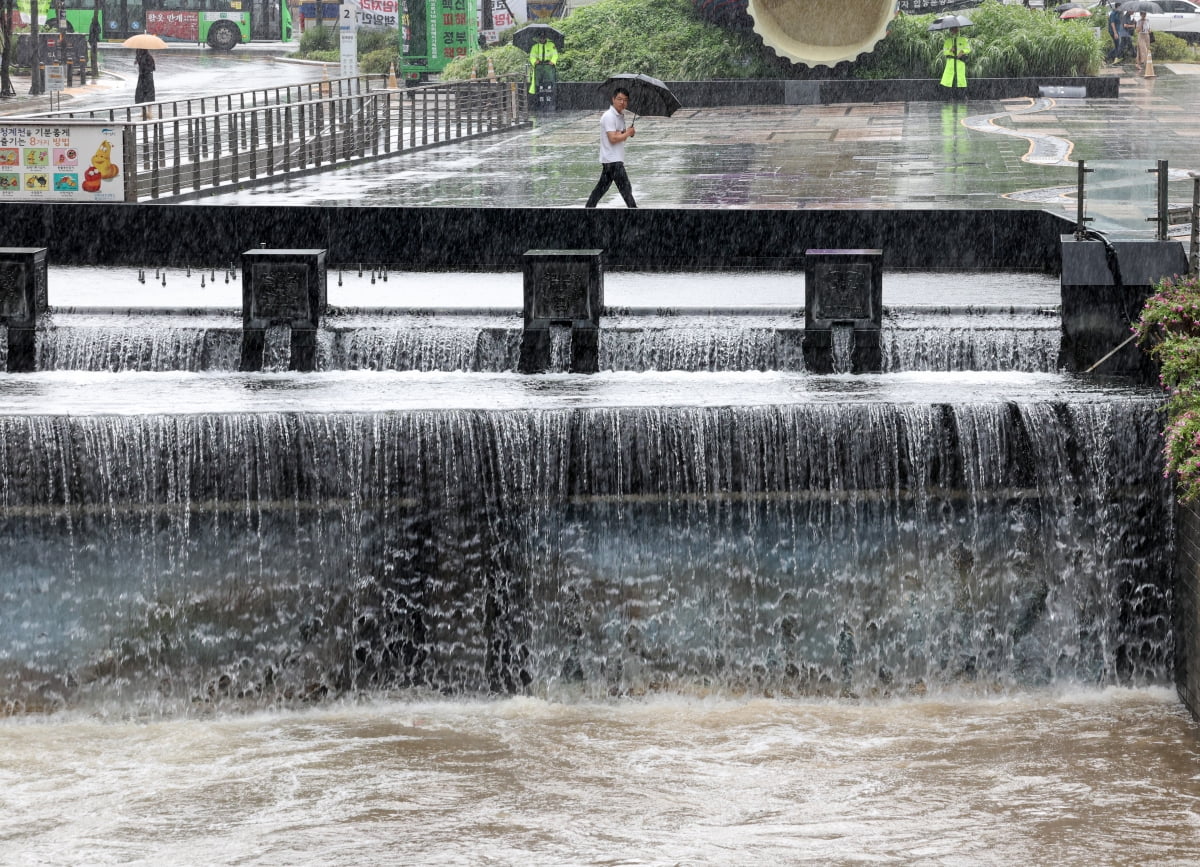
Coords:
pixel 1080 220
pixel 1194 247
pixel 1161 210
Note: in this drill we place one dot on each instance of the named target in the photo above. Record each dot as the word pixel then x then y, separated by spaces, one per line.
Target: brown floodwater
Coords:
pixel 1078 776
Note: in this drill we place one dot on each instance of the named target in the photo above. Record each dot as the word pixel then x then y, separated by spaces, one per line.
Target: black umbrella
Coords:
pixel 1140 6
pixel 527 36
pixel 647 96
pixel 948 21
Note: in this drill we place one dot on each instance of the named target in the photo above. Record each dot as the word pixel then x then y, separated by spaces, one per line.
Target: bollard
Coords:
pixel 843 311
pixel 564 289
pixel 23 298
pixel 282 288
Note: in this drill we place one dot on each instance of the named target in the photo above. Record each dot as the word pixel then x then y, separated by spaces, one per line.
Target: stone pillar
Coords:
pixel 563 288
pixel 1103 290
pixel 23 298
pixel 843 289
pixel 282 288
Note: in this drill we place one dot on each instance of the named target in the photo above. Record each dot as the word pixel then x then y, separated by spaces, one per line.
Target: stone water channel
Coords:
pixel 703 605
pixel 439 612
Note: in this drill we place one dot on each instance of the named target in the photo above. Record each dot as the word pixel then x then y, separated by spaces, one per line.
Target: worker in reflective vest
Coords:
pixel 955 49
pixel 542 52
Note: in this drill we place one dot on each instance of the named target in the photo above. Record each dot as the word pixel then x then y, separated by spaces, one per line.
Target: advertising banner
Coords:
pixel 61 162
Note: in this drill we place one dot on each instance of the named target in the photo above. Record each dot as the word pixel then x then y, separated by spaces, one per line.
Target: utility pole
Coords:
pixel 485 14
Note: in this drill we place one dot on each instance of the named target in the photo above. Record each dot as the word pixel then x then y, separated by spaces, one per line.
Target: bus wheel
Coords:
pixel 223 36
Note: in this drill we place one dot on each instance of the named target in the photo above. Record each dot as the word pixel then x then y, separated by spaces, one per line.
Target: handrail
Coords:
pixel 195 153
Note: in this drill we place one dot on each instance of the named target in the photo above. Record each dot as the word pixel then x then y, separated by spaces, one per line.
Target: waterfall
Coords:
pixel 277 348
pixel 800 548
pixel 140 346
pixel 417 345
pixel 479 344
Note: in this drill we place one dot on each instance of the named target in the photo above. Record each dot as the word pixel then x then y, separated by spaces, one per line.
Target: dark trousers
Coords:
pixel 610 172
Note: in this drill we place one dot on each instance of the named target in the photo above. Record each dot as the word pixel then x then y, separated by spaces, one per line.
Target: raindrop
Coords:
pixel 384 270
pixel 360 269
pixel 372 276
pixel 339 276
pixel 164 277
pixel 201 281
pixel 189 271
pixel 141 275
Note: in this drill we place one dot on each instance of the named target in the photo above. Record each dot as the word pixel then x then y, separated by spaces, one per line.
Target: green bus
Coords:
pixel 221 24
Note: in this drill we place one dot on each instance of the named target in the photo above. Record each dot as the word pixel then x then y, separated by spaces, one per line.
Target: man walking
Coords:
pixel 613 134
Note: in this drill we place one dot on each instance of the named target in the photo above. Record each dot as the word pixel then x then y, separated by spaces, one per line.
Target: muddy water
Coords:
pixel 1066 777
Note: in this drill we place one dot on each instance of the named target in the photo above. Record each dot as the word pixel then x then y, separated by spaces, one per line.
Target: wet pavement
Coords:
pixel 1018 153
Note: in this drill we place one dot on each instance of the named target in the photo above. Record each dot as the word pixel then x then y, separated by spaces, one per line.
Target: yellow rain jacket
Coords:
pixel 955 73
pixel 541 52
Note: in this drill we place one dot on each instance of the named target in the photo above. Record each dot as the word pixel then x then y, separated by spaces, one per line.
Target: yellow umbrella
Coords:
pixel 144 40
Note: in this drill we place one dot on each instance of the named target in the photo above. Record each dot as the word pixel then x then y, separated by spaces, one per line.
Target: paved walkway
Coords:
pixel 1015 153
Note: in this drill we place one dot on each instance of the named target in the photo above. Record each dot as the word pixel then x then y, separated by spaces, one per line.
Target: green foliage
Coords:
pixel 662 38
pixel 506 60
pixel 1167 46
pixel 377 49
pixel 316 39
pixel 1007 41
pixel 1169 330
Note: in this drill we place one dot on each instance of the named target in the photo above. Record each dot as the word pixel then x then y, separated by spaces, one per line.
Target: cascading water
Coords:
pixel 474 343
pixel 953 588
pixel 803 548
pixel 277 348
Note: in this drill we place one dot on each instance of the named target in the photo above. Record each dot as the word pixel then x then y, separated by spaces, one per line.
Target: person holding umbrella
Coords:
pixel 144 92
pixel 955 49
pixel 1118 34
pixel 543 57
pixel 613 135
pixel 1142 28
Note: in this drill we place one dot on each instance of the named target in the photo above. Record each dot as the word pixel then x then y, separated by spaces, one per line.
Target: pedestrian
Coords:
pixel 144 92
pixel 543 58
pixel 955 49
pixel 1142 29
pixel 613 134
pixel 1118 34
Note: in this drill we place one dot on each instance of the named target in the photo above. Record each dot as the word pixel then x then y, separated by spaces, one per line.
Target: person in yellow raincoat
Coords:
pixel 543 51
pixel 955 49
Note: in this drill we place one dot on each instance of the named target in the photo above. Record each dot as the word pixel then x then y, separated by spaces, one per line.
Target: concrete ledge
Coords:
pixel 577 96
pixel 653 239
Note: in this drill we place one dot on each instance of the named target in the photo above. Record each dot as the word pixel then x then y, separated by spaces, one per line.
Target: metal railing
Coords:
pixel 203 145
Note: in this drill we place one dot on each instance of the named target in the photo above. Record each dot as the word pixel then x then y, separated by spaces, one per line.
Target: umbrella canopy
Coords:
pixel 144 40
pixel 1076 13
pixel 526 36
pixel 946 22
pixel 647 96
pixel 1139 6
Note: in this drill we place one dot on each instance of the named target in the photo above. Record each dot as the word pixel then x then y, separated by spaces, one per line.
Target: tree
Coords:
pixel 6 16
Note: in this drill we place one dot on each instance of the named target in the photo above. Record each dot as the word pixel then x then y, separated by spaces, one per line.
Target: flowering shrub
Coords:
pixel 1169 329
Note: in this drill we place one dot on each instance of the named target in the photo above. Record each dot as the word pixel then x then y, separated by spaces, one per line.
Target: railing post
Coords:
pixel 177 158
pixel 1160 217
pixel 1194 246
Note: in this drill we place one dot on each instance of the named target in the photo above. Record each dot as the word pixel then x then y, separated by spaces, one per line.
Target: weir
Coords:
pixel 702 514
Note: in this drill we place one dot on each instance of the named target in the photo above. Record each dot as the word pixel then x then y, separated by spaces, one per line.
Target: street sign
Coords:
pixel 56 78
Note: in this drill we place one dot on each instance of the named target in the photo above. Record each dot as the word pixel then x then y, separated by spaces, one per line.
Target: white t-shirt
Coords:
pixel 611 121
